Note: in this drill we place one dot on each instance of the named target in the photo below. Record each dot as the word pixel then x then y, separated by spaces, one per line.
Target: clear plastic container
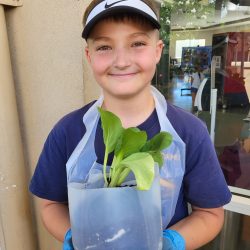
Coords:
pixel 115 218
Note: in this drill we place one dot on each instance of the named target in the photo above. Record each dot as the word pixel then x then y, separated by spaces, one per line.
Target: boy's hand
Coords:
pixel 172 240
pixel 67 244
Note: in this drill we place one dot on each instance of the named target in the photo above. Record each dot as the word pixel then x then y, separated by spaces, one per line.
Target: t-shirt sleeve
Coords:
pixel 49 180
pixel 204 182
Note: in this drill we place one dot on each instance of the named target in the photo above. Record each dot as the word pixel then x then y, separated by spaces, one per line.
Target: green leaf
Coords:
pixel 142 165
pixel 132 152
pixel 158 157
pixel 112 129
pixel 131 141
pixel 159 142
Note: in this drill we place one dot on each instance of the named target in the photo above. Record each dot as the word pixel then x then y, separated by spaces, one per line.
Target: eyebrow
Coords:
pixel 104 38
pixel 101 38
pixel 140 34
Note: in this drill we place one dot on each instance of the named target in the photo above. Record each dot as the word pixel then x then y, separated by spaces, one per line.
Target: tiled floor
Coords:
pixel 174 94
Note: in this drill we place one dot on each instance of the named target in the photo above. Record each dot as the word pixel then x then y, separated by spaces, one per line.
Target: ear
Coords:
pixel 87 53
pixel 159 49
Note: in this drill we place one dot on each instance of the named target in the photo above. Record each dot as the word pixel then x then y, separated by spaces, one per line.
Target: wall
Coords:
pixel 51 76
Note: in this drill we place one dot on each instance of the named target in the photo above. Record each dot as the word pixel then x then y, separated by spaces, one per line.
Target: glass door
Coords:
pixel 215 35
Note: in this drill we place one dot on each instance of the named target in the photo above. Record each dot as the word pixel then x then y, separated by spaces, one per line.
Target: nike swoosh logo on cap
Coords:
pixel 109 5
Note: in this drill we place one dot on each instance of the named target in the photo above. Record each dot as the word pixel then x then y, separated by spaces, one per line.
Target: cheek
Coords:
pixel 100 64
pixel 147 61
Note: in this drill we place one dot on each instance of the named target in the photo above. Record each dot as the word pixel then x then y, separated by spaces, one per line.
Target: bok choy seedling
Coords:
pixel 132 152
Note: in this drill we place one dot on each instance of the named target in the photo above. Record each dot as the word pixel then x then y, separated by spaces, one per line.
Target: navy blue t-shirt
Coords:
pixel 203 183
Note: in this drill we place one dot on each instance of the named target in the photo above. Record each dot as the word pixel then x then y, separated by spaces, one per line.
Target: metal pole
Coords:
pixel 15 214
pixel 213 99
pixel 213 66
pixel 213 113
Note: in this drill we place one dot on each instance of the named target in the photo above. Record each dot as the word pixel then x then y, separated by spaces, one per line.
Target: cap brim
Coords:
pixel 117 10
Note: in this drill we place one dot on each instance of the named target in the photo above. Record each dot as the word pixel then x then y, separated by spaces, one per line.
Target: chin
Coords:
pixel 128 89
pixel 126 94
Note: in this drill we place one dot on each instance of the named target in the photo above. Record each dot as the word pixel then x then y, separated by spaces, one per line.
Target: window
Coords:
pixel 187 43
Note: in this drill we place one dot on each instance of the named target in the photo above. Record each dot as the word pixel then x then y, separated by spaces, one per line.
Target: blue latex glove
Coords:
pixel 172 240
pixel 67 244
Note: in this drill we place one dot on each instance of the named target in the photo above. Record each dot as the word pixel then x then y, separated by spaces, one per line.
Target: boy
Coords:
pixel 123 48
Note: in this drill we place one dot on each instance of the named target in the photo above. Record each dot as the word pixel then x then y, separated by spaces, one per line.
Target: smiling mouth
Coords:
pixel 123 74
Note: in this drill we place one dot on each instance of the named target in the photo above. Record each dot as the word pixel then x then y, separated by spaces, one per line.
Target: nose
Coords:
pixel 122 58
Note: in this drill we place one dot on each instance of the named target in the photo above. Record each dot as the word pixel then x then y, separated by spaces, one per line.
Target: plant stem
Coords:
pixel 123 176
pixel 105 167
pixel 116 161
pixel 112 167
pixel 115 177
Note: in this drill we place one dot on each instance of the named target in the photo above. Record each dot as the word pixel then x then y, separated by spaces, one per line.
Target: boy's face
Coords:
pixel 123 56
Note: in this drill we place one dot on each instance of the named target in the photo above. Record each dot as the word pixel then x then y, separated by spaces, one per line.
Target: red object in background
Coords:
pixel 233 50
pixel 234 160
pixel 234 85
pixel 230 163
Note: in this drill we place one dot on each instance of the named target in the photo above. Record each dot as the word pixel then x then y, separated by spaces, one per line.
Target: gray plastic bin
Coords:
pixel 115 218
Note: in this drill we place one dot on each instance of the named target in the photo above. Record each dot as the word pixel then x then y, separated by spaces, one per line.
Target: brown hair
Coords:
pixel 150 3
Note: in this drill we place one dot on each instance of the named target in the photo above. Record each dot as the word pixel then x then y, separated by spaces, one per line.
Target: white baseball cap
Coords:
pixel 109 7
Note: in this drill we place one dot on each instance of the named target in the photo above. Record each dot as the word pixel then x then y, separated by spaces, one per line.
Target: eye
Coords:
pixel 138 44
pixel 103 48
